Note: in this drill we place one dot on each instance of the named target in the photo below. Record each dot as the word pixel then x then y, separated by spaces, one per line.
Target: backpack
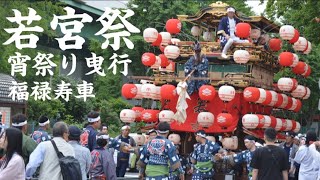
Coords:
pixel 70 166
pixel 84 138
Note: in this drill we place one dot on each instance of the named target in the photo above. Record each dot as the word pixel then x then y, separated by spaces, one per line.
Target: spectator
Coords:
pixel 269 162
pixel 315 151
pixel 41 134
pixel 152 134
pixel 82 154
pixel 12 164
pixel 102 167
pixel 104 129
pixel 291 150
pixel 45 155
pixel 94 124
pixel 308 168
pixel 19 121
pixel 123 158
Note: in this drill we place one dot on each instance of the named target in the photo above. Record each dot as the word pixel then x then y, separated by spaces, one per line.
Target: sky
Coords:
pixel 258 9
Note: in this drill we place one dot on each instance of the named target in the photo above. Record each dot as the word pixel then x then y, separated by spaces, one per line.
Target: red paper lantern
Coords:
pixel 224 120
pixel 290 102
pixel 278 125
pixel 268 98
pixel 299 69
pixel 294 125
pixel 161 47
pixel 138 110
pixel 207 93
pixel 129 91
pixel 286 59
pixel 148 59
pixel 251 94
pixel 267 121
pixel 275 44
pixel 280 100
pixel 273 121
pixel 289 125
pixel 243 30
pixel 285 101
pixel 295 37
pixel 299 105
pixel 294 104
pixel 297 128
pixel 168 92
pixel 164 61
pixel 150 115
pixel 173 26
pixel 158 41
pixel 284 125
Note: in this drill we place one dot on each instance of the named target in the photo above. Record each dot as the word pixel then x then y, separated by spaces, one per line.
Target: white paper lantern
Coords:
pixel 299 92
pixel 226 93
pixel 308 49
pixel 297 129
pixel 157 64
pixel 274 98
pixel 195 31
pixel 250 121
pixel 278 125
pixel 175 138
pixel 139 139
pixel 255 33
pixel 207 36
pixel 150 35
pixel 308 93
pixel 205 119
pixel 286 32
pixel 301 44
pixel 172 52
pixel 139 93
pixel 285 84
pixel 295 60
pixel 289 125
pixel 157 94
pixel 241 56
pixel 127 115
pixel 263 95
pixel 166 116
pixel 267 121
pixel 148 91
pixel 166 38
pixel 175 41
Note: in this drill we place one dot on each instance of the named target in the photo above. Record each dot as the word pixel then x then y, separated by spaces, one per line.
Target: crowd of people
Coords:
pixel 35 156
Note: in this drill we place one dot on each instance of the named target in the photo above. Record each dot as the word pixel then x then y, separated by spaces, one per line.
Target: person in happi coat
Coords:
pixel 123 157
pixel 199 63
pixel 246 155
pixel 202 157
pixel 226 30
pixel 102 166
pixel 156 155
pixel 174 174
pixel 41 134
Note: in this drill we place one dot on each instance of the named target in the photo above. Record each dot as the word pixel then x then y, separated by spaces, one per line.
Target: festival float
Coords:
pixel 240 96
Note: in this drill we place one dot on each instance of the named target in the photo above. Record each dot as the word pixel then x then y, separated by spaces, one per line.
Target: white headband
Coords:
pixel 125 127
pixel 20 124
pixel 201 135
pixel 162 132
pixel 230 9
pixel 44 123
pixel 94 119
pixel 106 137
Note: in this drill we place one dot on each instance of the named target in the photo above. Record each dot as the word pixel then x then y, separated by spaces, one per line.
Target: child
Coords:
pixel 103 166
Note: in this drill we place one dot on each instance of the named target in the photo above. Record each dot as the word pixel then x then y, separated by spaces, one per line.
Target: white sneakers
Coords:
pixel 224 56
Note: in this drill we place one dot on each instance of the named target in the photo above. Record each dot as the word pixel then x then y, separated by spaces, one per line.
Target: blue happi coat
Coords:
pixel 245 156
pixel 201 70
pixel 224 27
pixel 174 175
pixel 203 153
pixel 158 152
pixel 40 135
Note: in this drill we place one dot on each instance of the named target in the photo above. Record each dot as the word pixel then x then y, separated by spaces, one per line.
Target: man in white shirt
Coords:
pixel 226 30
